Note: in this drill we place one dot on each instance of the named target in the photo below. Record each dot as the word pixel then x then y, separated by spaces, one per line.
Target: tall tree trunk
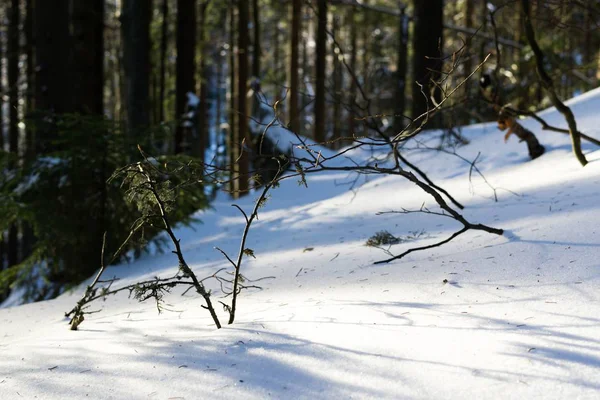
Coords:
pixel 12 57
pixel 256 45
pixel 366 39
pixel 256 62
pixel 28 234
pixel 199 146
pixel 484 16
pixel 588 46
pixel 2 51
pixel 135 17
pixel 319 134
pixel 242 106
pixel 13 53
pixel 306 74
pixel 276 49
pixel 163 60
pixel 401 72
pixel 234 140
pixel 185 69
pixel 294 117
pixel 469 53
pixel 88 40
pixel 88 70
pixel 337 85
pixel 523 91
pixel 29 75
pixel 218 98
pixel 353 64
pixel 427 42
pixel 113 69
pixel 53 73
pixel 200 141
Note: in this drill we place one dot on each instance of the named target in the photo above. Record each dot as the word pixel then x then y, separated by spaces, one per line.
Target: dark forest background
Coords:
pixel 84 83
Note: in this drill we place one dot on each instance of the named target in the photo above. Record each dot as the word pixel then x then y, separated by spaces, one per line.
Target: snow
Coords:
pixel 193 100
pixel 517 318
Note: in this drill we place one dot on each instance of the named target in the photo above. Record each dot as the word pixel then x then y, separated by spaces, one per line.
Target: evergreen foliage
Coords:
pixel 68 199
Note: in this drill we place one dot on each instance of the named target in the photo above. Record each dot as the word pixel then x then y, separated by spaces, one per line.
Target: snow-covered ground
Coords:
pixel 519 315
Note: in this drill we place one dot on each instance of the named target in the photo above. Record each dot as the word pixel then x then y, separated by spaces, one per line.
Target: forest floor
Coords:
pixel 484 316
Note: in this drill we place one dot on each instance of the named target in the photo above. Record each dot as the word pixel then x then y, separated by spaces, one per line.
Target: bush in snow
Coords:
pixel 66 198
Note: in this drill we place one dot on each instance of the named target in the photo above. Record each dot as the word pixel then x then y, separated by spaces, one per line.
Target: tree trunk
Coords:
pixel 199 141
pixel 233 145
pixel 256 46
pixel 135 24
pixel 320 61
pixel 53 76
pixel 427 42
pixel 29 73
pixel 337 85
pixel 185 69
pixel 13 52
pixel 401 72
pixel 588 45
pixel 366 39
pixel 306 74
pixel 88 40
pixel 218 105
pixel 163 60
pixel 277 51
pixel 242 106
pixel 294 120
pixel 468 64
pixel 88 74
pixel 12 57
pixel 28 238
pixel 353 86
pixel 2 243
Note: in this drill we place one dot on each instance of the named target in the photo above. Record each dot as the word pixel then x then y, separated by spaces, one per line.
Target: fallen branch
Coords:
pixel 454 235
pixel 451 213
pixel 548 127
pixel 548 86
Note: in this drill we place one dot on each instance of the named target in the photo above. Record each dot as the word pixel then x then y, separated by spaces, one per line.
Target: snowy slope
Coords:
pixel 518 318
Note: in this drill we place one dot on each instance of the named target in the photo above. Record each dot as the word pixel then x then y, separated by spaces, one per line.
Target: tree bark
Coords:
pixel 2 51
pixel 242 105
pixel 88 40
pixel 28 238
pixel 367 29
pixel 185 69
pixel 294 120
pixel 135 23
pixel 233 145
pixel 12 57
pixel 13 53
pixel 337 85
pixel 163 60
pixel 53 72
pixel 468 64
pixel 29 74
pixel 256 46
pixel 427 43
pixel 319 133
pixel 200 140
pixel 401 72
pixel 353 54
pixel 275 4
